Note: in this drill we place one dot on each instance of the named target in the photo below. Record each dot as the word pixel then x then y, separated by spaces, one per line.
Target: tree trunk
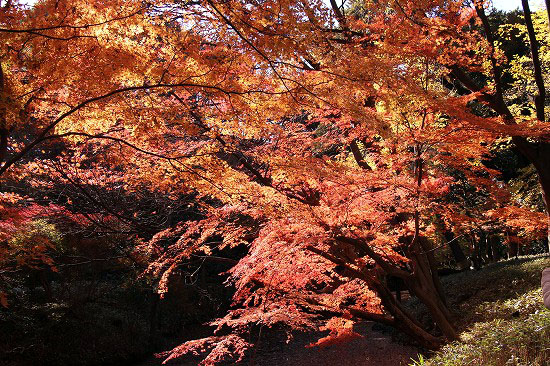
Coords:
pixel 430 293
pixel 490 251
pixel 432 269
pixel 458 254
pixel 438 311
pixel 403 320
pixel 153 319
pixel 542 165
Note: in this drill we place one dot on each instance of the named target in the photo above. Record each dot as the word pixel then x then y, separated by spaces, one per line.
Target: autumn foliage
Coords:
pixel 333 144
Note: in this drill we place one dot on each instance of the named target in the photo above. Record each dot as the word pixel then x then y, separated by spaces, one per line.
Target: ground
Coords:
pixel 377 347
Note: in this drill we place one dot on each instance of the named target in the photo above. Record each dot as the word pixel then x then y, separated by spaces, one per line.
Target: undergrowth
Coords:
pixel 502 318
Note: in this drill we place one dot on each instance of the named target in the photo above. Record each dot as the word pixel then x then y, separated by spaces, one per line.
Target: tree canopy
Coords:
pixel 332 142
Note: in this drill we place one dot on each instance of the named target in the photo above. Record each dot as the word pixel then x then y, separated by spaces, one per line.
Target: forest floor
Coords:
pixel 499 312
pixel 503 298
pixel 502 318
pixel 377 347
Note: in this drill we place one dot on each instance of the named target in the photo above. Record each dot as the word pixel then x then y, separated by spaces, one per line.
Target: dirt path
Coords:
pixel 376 348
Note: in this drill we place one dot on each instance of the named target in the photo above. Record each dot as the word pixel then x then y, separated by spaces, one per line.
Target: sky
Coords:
pixel 514 4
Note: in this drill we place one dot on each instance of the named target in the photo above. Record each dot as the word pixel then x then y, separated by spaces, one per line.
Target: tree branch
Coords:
pixel 541 96
pixel 389 269
pixel 46 130
pixel 358 156
pixel 356 273
pixel 499 104
pixel 379 318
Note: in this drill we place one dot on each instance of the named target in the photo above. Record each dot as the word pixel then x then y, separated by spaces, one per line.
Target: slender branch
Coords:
pixel 411 19
pixel 218 259
pixel 245 161
pixel 541 96
pixel 341 19
pixel 247 41
pixel 122 141
pixel 501 107
pixel 90 261
pixel 379 318
pixel 46 130
pixel 388 268
pixel 358 156
pixel 355 272
pixel 270 62
pixel 92 199
pixel 68 26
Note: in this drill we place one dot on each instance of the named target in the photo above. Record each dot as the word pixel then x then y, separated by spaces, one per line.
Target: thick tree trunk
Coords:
pixel 456 250
pixel 542 164
pixel 153 319
pixel 403 320
pixel 426 287
pixel 458 254
pixel 424 280
pixel 421 285
pixel 432 269
pixel 513 250
pixel 438 311
pixel 539 155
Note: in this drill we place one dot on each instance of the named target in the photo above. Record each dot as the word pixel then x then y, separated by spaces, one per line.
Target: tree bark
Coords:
pixel 458 254
pixel 430 292
pixel 539 80
pixel 4 132
pixel 403 320
pixel 542 166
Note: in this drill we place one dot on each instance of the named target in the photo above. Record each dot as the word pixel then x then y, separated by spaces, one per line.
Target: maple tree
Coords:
pixel 326 142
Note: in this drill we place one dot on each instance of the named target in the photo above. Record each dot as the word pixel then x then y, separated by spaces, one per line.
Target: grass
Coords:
pixel 500 316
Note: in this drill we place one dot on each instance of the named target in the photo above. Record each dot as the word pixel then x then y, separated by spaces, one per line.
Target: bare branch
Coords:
pixel 541 96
